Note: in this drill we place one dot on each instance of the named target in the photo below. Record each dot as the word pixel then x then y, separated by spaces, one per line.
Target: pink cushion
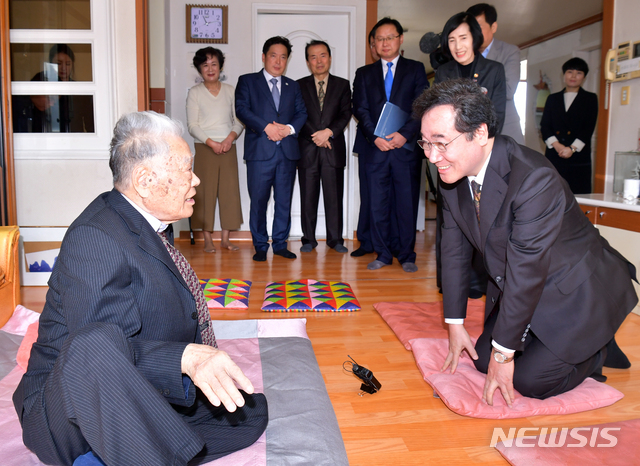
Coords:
pixel 425 320
pixel 462 391
pixel 22 358
pixel 20 320
pixel 622 453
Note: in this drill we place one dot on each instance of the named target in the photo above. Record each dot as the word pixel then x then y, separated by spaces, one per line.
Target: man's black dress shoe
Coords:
pixel 616 359
pixel 597 372
pixel 360 252
pixel 285 253
pixel 260 256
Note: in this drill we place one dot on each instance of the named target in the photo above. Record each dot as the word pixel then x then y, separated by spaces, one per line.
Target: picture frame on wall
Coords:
pixel 39 248
pixel 207 24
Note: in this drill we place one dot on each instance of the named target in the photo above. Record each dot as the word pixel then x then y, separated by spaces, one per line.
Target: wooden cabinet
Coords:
pixel 590 212
pixel 615 218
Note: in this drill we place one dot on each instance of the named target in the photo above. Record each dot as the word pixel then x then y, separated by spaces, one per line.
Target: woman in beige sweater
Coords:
pixel 211 119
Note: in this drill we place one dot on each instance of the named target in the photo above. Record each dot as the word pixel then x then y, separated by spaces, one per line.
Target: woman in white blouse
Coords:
pixel 211 119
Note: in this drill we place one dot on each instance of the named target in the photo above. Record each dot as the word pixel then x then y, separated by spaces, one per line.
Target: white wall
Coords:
pixel 240 56
pixel 53 186
pixel 548 57
pixel 624 122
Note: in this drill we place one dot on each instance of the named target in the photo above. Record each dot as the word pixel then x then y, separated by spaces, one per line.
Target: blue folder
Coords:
pixel 391 120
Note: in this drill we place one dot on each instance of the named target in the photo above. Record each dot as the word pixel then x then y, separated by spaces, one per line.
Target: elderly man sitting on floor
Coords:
pixel 126 364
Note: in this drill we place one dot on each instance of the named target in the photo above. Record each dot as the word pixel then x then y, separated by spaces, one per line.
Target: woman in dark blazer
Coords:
pixel 461 40
pixel 567 124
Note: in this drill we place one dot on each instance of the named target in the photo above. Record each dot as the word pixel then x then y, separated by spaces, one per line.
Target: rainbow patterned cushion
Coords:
pixel 227 293
pixel 309 295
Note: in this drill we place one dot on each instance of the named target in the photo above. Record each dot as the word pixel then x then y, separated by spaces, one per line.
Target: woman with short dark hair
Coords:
pixel 567 124
pixel 211 120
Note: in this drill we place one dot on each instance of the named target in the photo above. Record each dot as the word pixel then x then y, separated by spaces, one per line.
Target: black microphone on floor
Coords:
pixel 370 383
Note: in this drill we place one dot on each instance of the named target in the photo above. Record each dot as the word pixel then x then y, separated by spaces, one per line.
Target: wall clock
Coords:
pixel 207 24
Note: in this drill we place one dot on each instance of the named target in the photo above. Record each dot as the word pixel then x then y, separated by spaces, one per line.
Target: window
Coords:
pixel 62 100
pixel 520 97
pixel 51 14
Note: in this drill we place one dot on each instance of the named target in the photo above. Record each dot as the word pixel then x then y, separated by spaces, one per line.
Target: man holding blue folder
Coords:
pixel 393 171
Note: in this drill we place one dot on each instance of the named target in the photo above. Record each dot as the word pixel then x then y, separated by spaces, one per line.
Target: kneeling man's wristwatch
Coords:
pixel 502 358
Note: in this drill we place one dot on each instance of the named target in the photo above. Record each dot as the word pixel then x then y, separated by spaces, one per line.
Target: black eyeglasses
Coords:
pixel 387 39
pixel 441 146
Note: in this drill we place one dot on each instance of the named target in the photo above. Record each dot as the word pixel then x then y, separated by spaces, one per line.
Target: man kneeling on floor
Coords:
pixel 557 291
pixel 126 365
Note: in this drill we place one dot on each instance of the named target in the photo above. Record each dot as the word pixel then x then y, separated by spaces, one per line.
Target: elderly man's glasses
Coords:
pixel 441 146
pixel 387 39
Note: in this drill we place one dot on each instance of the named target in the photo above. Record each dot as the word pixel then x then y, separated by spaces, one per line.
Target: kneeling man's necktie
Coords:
pixel 477 191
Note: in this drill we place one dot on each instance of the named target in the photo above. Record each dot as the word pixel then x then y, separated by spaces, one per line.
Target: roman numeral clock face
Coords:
pixel 207 23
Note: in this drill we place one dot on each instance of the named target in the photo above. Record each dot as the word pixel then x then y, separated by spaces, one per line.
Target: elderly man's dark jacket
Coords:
pixel 113 268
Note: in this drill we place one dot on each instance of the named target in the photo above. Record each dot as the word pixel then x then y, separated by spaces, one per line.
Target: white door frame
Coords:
pixel 351 188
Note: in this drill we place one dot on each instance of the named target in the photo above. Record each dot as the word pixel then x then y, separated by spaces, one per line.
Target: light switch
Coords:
pixel 624 96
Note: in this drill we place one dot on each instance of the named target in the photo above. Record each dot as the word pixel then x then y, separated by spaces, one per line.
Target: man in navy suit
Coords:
pixel 359 146
pixel 271 107
pixel 119 370
pixel 391 164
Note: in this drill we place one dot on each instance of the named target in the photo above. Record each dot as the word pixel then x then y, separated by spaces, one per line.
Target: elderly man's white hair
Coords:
pixel 137 137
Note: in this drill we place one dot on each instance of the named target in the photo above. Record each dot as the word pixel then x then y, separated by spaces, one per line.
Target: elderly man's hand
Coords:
pixel 213 371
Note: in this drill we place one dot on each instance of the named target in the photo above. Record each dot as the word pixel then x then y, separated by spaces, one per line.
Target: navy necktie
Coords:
pixel 388 81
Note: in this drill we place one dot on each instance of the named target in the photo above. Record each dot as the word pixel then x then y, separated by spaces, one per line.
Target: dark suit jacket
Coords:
pixel 577 123
pixel 369 98
pixel 488 74
pixel 335 115
pixel 255 108
pixel 548 265
pixel 113 268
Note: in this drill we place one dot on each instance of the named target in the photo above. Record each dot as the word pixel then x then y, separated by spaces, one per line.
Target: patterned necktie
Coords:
pixel 477 191
pixel 204 317
pixel 388 81
pixel 275 92
pixel 321 93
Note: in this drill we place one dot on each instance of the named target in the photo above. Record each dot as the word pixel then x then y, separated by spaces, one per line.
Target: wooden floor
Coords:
pixel 403 424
